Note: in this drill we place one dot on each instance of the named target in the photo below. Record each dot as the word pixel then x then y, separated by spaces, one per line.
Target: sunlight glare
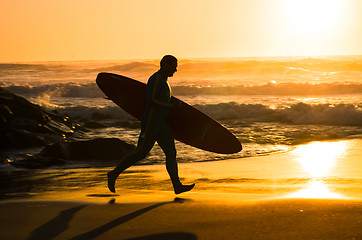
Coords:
pixel 317 158
pixel 313 16
pixel 315 189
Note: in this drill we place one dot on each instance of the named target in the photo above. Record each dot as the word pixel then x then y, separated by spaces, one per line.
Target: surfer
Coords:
pixel 154 127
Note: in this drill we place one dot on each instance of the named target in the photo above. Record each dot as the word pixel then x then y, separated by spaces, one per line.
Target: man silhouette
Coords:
pixel 154 127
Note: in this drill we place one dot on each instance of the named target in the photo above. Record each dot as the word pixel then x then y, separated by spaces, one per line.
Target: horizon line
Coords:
pixel 182 58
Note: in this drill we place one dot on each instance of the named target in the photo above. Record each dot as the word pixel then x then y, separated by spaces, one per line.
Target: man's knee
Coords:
pixel 171 153
pixel 141 154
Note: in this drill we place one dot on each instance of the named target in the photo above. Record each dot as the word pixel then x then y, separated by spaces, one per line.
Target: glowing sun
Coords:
pixel 308 17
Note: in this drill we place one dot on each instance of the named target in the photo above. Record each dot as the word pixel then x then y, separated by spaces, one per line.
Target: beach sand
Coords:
pixel 184 218
pixel 266 197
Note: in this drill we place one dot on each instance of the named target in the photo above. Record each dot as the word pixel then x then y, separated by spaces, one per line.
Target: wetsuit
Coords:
pixel 154 121
pixel 154 127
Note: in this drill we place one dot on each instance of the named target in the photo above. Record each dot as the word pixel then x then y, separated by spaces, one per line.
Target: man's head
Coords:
pixel 168 65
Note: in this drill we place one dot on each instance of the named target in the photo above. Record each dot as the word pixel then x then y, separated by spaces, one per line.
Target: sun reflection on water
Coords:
pixel 316 189
pixel 317 159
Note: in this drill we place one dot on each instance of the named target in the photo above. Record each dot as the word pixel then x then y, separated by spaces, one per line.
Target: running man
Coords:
pixel 154 127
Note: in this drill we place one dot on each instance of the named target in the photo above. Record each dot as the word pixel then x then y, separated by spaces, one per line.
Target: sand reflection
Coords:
pixel 318 159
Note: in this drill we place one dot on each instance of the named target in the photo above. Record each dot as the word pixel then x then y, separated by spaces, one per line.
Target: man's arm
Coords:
pixel 155 90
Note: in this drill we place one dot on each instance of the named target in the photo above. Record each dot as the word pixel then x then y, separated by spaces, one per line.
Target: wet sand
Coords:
pixel 267 197
pixel 183 218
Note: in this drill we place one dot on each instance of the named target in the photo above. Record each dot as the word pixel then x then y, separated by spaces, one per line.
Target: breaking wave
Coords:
pixel 282 89
pixel 90 90
pixel 300 113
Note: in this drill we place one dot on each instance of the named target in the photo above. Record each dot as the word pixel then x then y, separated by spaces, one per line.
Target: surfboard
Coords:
pixel 188 124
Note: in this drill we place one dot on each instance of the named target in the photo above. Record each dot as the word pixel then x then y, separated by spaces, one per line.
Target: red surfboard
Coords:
pixel 188 124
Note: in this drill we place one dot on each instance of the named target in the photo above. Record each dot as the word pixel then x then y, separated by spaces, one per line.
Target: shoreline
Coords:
pixel 279 196
pixel 333 175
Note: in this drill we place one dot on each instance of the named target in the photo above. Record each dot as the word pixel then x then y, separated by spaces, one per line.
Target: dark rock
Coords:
pixel 96 149
pixel 100 116
pixel 93 124
pixel 103 150
pixel 38 162
pixel 128 124
pixel 22 108
pixel 24 125
pixel 57 127
pixel 5 116
pixel 20 139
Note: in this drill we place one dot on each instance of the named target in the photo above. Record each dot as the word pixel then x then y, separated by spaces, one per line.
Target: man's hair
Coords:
pixel 167 60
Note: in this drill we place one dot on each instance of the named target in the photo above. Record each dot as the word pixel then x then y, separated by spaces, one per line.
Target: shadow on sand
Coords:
pixel 102 195
pixel 56 226
pixel 118 221
pixel 167 236
pixel 60 223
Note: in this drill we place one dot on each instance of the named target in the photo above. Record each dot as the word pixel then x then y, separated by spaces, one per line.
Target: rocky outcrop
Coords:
pixel 38 162
pixel 101 149
pixel 24 124
pixel 105 151
pixel 13 106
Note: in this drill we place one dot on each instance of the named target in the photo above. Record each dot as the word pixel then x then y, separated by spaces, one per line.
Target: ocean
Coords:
pixel 272 105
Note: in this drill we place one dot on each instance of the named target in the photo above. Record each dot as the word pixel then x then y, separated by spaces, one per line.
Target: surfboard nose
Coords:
pixel 101 79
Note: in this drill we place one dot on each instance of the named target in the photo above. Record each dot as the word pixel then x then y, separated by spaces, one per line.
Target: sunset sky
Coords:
pixel 41 30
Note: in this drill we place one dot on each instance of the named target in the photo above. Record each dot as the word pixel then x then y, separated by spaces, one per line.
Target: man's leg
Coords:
pixel 166 141
pixel 144 147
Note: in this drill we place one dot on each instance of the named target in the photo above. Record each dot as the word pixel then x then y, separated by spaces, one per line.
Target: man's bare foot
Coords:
pixel 183 188
pixel 111 181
